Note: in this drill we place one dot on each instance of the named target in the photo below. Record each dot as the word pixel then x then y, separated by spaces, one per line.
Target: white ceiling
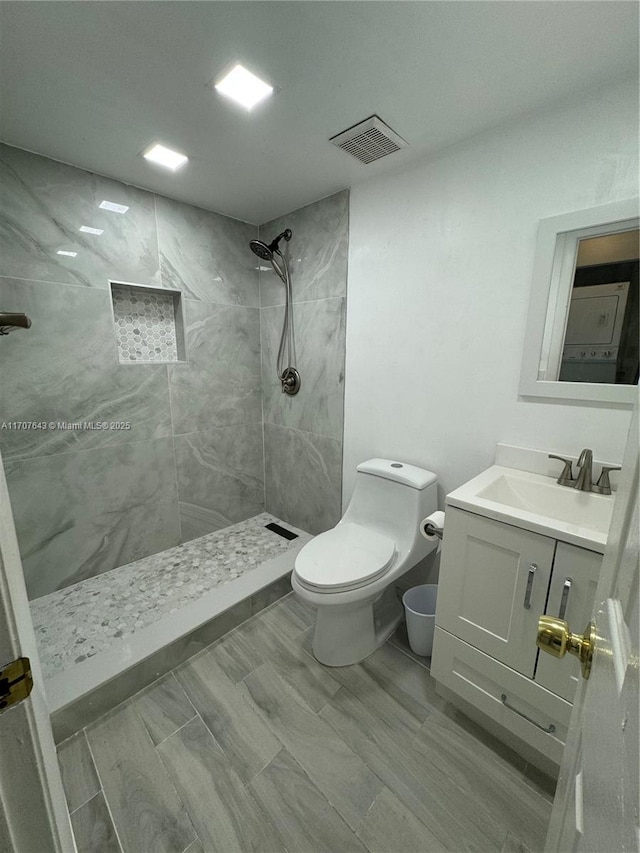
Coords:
pixel 92 83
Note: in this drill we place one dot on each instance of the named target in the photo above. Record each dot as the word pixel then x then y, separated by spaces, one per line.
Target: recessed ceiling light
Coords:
pixel 88 230
pixel 115 208
pixel 244 87
pixel 67 254
pixel 165 157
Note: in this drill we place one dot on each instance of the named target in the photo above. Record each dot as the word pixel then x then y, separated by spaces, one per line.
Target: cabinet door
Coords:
pixel 571 596
pixel 493 586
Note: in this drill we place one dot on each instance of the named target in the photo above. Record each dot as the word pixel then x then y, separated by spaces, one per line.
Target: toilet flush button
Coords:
pixel 396 465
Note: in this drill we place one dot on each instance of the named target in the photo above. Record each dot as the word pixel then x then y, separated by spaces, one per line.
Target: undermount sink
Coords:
pixel 538 503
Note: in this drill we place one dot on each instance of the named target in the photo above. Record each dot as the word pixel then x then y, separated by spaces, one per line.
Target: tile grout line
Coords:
pixel 264 450
pixel 168 778
pixel 100 790
pixel 344 348
pixel 357 831
pixel 195 841
pixel 258 804
pixel 104 796
pixel 407 655
pixel 130 700
pixel 245 785
pixel 174 454
pixel 154 286
pixel 92 797
pixel 155 219
pixel 171 676
pixel 218 426
pixel 319 792
pixel 179 729
pixel 100 447
pixel 343 739
pixel 306 301
pixel 88 287
pixel 304 431
pixel 218 304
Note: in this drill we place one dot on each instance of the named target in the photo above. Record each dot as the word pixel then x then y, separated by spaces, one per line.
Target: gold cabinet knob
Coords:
pixel 555 638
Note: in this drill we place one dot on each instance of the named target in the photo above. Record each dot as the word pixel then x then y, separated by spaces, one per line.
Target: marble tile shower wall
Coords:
pixel 191 462
pixel 303 434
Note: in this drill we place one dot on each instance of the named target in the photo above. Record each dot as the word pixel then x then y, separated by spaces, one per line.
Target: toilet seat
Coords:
pixel 346 557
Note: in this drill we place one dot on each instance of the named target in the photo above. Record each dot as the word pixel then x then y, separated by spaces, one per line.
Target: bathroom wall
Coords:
pixel 440 264
pixel 303 433
pixel 192 462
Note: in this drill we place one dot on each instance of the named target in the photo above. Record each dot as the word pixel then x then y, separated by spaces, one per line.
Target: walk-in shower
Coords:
pixel 287 373
pixel 134 555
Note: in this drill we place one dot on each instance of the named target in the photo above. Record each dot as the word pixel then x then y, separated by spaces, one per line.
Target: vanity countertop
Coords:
pixel 537 503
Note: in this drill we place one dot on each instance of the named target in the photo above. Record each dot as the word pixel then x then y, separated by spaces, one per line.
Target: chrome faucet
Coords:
pixel 584 481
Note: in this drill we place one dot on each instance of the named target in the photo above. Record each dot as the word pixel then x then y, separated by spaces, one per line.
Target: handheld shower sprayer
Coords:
pixel 287 374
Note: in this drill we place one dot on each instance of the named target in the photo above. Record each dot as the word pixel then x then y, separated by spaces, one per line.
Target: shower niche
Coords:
pixel 148 324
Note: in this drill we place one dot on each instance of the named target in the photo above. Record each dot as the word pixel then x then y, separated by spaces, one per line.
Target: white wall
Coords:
pixel 440 262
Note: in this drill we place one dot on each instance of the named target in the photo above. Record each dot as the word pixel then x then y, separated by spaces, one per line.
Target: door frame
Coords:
pixel 562 823
pixel 33 810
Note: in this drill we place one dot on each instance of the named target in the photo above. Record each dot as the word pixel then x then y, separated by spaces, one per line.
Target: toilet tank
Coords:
pixel 393 497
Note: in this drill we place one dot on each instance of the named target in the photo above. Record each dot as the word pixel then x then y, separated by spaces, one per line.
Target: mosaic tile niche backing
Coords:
pixel 147 324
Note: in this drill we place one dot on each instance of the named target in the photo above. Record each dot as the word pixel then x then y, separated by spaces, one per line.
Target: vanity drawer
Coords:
pixel 483 681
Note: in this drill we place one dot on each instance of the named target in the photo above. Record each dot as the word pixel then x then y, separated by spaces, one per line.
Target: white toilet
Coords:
pixel 348 572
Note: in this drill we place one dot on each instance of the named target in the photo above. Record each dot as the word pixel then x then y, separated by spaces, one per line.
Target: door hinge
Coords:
pixel 16 682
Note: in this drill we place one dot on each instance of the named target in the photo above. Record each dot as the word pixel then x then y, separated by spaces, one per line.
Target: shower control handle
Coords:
pixel 290 380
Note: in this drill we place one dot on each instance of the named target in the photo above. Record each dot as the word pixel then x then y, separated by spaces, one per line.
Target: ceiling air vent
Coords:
pixel 369 140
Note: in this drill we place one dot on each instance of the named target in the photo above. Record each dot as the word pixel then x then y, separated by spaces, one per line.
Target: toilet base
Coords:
pixel 347 634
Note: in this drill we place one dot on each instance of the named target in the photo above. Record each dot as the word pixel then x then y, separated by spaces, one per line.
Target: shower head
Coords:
pixel 264 251
pixel 261 250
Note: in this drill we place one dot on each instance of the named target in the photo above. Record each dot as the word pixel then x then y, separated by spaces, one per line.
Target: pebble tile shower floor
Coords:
pixel 77 622
pixel 252 745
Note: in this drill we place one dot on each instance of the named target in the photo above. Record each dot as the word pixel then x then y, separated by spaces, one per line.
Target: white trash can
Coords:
pixel 420 611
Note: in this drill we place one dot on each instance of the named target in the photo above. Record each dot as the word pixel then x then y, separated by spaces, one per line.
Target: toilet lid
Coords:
pixel 345 556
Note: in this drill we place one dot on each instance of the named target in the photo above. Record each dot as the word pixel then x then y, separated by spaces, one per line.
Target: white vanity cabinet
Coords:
pixel 493 586
pixel 496 579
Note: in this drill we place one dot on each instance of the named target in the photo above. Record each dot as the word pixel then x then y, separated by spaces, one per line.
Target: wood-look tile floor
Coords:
pixel 254 746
